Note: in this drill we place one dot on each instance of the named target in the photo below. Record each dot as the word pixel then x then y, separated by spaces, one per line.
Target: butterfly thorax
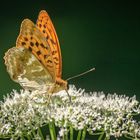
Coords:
pixel 60 84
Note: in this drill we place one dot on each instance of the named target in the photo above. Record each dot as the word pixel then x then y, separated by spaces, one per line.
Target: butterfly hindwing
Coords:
pixel 25 69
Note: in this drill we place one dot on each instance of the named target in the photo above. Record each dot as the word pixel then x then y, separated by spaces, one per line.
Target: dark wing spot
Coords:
pixel 38 52
pixel 31 43
pixel 30 49
pixel 25 38
pixel 37 44
pixel 40 25
pixel 42 45
pixel 49 66
pixel 55 58
pixel 31 38
pixel 52 41
pixel 44 26
pixel 44 31
pixel 56 63
pixel 39 60
pixel 23 43
pixel 54 52
pixel 45 56
pixel 47 37
pixel 49 61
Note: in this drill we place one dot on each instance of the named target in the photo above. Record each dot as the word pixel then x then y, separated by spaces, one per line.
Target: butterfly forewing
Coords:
pixel 45 25
pixel 31 38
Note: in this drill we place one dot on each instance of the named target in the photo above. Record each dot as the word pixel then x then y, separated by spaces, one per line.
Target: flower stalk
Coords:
pixel 28 137
pixel 71 132
pixel 40 134
pixel 101 136
pixel 84 133
pixel 66 135
pixel 79 135
pixel 52 130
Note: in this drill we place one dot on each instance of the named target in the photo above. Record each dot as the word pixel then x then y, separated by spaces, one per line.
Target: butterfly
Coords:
pixel 36 63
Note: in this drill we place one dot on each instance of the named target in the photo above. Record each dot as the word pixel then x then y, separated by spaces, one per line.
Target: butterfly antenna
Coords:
pixel 83 73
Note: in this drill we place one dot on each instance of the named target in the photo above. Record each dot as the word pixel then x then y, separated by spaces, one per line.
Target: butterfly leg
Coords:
pixel 50 92
pixel 49 99
pixel 68 95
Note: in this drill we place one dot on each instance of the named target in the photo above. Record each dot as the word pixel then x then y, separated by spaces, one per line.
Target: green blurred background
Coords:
pixel 100 34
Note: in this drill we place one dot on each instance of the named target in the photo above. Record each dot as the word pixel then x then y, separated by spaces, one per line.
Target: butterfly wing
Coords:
pixel 45 25
pixel 25 69
pixel 31 38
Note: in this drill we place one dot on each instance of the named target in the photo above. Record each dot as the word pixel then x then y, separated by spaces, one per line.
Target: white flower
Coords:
pixel 25 112
pixel 62 132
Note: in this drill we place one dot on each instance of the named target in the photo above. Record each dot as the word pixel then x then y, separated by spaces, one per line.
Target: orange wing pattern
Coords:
pixel 45 25
pixel 30 37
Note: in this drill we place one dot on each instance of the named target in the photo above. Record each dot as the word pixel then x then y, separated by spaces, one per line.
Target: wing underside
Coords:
pixel 25 69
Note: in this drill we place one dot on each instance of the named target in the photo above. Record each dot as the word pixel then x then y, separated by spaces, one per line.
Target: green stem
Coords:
pixel 84 134
pixel 101 136
pixel 22 138
pixel 63 138
pixel 28 137
pixel 100 133
pixel 106 138
pixel 79 135
pixel 34 134
pixel 128 137
pixel 52 131
pixel 66 135
pixel 71 133
pixel 40 134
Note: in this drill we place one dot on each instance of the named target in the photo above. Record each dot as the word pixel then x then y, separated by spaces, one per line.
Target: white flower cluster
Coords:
pixel 25 112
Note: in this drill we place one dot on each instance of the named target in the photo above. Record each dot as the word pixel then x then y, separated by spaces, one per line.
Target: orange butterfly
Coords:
pixel 36 60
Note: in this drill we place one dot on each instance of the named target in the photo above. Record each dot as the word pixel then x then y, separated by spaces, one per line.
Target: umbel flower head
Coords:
pixel 23 114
